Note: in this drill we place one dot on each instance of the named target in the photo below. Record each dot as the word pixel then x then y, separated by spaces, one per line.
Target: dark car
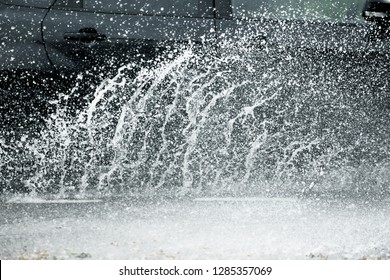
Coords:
pixel 46 43
pixel 75 35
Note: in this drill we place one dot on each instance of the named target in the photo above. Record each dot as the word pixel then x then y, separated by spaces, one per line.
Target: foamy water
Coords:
pixel 240 123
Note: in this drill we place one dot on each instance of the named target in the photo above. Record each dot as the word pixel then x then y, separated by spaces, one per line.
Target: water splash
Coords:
pixel 232 123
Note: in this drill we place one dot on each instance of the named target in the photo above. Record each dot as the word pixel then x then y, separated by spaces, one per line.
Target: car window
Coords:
pixel 149 7
pixel 299 9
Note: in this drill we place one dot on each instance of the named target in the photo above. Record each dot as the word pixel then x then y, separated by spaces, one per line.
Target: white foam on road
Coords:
pixel 233 199
pixel 207 228
pixel 49 201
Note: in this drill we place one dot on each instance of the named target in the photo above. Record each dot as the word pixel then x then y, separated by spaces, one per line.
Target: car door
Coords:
pixel 85 34
pixel 21 39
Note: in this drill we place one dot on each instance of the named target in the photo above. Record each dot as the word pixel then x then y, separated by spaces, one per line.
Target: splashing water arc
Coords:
pixel 200 123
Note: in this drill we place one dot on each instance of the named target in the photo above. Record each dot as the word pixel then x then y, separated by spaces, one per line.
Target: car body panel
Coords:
pixel 177 8
pixel 30 3
pixel 130 31
pixel 127 36
pixel 21 39
pixel 24 56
